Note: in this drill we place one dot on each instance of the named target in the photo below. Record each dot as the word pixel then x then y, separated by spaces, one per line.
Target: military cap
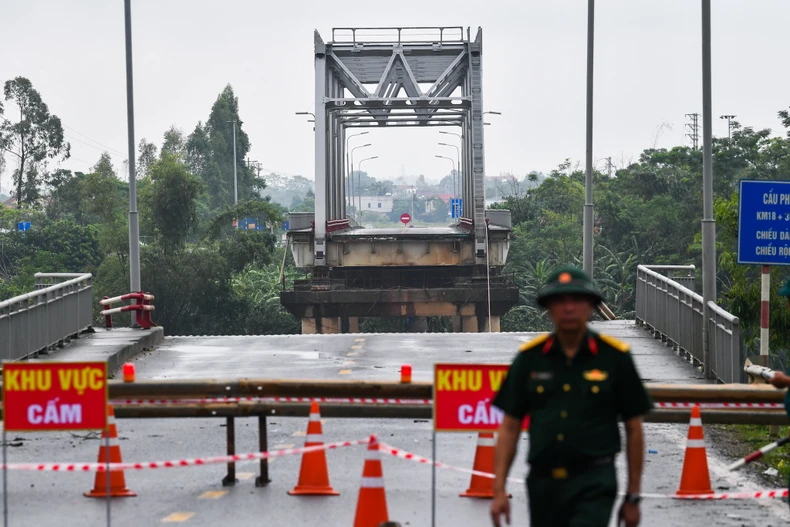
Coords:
pixel 785 290
pixel 568 280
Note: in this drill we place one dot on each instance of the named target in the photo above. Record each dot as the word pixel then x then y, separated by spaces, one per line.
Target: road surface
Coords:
pixel 195 496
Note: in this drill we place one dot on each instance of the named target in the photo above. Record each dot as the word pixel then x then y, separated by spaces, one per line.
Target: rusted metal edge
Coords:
pixel 205 388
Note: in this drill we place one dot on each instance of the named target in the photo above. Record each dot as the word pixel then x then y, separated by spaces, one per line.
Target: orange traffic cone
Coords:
pixel 695 478
pixel 481 486
pixel 117 481
pixel 372 501
pixel 313 474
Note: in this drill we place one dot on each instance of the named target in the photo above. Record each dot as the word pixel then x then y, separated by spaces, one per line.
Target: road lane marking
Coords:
pixel 359 340
pixel 344 372
pixel 177 517
pixel 243 476
pixel 355 347
pixel 349 362
pixel 282 446
pixel 299 434
pixel 352 354
pixel 212 494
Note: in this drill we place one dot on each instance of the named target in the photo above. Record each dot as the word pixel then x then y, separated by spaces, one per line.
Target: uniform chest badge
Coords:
pixel 542 375
pixel 596 375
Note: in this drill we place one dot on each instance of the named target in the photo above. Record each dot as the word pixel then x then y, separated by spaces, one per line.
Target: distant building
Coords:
pixel 382 204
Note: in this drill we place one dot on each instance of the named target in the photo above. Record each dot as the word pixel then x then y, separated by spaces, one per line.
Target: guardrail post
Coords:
pixel 107 318
pixel 263 445
pixel 230 478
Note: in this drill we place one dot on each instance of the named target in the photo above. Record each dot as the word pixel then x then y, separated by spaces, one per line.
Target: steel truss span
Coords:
pixel 397 77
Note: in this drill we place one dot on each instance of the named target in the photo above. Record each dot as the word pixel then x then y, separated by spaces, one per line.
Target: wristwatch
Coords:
pixel 633 499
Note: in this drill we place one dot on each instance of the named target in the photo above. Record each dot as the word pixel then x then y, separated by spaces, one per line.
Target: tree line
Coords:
pixel 210 277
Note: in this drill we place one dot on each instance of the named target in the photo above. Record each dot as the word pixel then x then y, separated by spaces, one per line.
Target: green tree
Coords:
pixel 174 144
pixel 171 202
pixel 210 154
pixel 34 137
pixel 146 157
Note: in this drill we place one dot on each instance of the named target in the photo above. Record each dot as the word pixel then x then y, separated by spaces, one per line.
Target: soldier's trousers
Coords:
pixel 584 500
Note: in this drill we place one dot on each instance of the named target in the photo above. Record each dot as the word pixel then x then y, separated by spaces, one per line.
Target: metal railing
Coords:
pixel 60 308
pixel 675 314
pixel 397 35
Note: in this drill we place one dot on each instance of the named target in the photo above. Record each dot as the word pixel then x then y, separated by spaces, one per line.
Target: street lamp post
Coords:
pixel 729 119
pixel 134 225
pixel 359 171
pixel 350 176
pixel 452 164
pixel 458 163
pixel 309 120
pixel 359 177
pixel 457 179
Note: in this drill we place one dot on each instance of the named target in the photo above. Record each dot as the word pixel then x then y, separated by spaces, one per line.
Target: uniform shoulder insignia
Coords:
pixel 534 343
pixel 615 343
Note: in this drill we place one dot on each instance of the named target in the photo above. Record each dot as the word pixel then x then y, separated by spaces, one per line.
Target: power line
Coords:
pixel 95 141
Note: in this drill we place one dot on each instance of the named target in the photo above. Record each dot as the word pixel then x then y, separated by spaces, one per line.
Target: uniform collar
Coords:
pixel 588 344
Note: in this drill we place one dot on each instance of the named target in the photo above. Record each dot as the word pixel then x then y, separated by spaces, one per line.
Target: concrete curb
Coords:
pixel 153 337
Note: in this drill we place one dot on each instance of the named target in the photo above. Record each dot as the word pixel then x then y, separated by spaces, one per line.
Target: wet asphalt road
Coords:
pixel 195 496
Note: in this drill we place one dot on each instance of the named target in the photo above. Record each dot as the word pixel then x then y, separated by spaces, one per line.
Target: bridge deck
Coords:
pixel 361 356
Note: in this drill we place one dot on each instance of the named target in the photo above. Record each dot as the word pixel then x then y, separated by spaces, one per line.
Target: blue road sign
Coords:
pixel 23 225
pixel 764 222
pixel 456 206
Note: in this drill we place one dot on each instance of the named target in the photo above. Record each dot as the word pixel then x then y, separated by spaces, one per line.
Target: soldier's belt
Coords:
pixel 569 471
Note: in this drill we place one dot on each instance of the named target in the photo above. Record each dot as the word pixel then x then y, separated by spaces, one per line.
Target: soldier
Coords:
pixel 573 384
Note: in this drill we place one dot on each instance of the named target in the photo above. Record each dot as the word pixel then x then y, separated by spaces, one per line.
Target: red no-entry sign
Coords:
pixel 405 218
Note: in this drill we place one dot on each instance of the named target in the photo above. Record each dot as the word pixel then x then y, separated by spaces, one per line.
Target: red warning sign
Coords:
pixel 462 395
pixel 55 396
pixel 405 218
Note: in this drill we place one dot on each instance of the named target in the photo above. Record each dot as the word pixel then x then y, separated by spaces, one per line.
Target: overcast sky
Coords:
pixel 647 59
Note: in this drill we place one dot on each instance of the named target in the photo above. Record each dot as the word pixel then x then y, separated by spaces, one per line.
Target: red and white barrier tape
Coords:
pixel 721 405
pixel 755 495
pixel 760 494
pixel 345 400
pixel 101 467
pixel 391 450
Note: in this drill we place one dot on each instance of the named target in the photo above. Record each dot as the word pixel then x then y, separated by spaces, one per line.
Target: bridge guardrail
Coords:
pixel 49 316
pixel 142 308
pixel 675 314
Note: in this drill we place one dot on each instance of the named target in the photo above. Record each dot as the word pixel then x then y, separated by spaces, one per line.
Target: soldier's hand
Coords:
pixel 629 515
pixel 499 506
pixel 780 380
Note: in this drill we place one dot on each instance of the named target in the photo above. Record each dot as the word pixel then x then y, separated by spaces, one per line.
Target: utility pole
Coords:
pixel 587 239
pixel 693 127
pixel 729 125
pixel 134 225
pixel 708 223
pixel 235 180
pixel 609 166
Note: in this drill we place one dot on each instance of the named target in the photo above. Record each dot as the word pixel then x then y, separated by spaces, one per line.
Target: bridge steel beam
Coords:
pixel 320 151
pixel 359 83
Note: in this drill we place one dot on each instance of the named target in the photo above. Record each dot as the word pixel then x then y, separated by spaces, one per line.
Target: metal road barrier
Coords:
pixel 129 401
pixel 674 313
pixel 60 308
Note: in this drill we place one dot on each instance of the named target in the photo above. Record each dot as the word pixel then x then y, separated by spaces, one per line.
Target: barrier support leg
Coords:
pixel 263 446
pixel 230 478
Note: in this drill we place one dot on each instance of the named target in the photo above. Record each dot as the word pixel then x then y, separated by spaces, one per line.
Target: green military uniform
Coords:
pixel 573 405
